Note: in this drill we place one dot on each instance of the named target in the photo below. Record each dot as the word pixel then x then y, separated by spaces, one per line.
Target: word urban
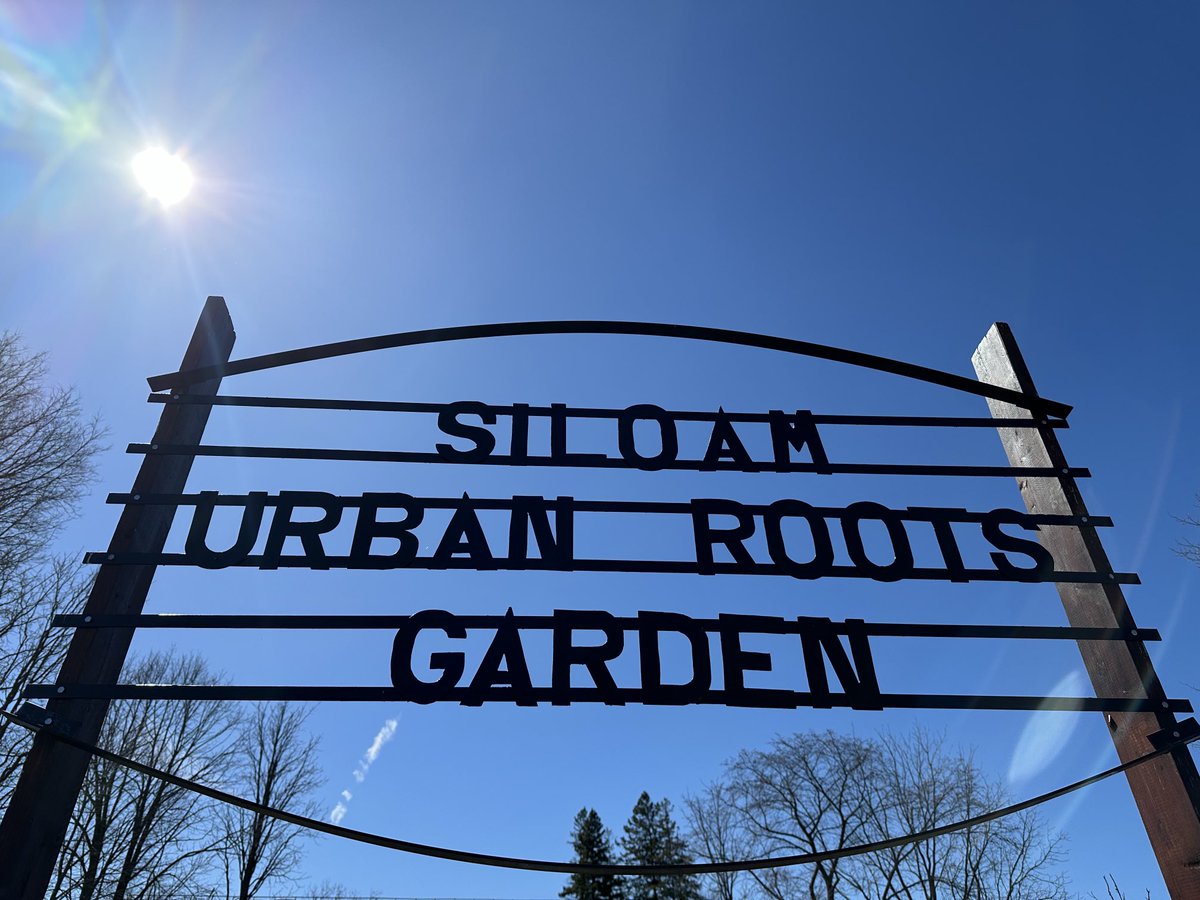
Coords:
pixel 799 538
pixel 503 673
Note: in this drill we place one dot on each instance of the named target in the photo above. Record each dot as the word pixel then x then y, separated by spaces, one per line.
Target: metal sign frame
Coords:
pixel 1063 548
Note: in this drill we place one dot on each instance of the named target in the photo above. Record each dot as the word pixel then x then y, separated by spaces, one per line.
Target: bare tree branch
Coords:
pixel 134 837
pixel 46 451
pixel 276 766
pixel 821 791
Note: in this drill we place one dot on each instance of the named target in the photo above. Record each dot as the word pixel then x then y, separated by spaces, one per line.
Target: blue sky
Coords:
pixel 890 178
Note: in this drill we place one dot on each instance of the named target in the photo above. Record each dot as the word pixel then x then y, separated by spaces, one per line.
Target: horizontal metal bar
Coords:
pixel 918 514
pixel 652 566
pixel 1067 704
pixel 629 623
pixel 595 461
pixel 1019 632
pixel 586 412
pixel 647 329
pixel 777 698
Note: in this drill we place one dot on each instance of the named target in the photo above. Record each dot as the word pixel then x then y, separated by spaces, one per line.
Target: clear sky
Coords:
pixel 891 178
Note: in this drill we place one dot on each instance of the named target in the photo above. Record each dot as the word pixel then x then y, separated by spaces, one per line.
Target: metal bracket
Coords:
pixel 40 718
pixel 1183 732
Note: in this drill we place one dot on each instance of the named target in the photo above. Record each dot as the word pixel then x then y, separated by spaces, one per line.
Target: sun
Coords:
pixel 164 176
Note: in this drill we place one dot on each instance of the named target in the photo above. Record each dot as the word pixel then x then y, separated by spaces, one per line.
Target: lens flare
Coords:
pixel 162 175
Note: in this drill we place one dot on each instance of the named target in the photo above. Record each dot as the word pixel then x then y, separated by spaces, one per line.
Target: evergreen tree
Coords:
pixel 653 838
pixel 593 846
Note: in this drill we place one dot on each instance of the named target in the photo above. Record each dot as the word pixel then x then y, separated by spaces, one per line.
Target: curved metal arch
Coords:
pixel 1186 733
pixel 647 329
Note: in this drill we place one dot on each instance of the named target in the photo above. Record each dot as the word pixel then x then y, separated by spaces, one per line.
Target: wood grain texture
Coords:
pixel 1167 791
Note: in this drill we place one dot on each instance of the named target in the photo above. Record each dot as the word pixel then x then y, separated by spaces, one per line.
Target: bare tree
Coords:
pixel 134 837
pixel 46 451
pixel 277 767
pixel 816 792
pixel 714 835
pixel 131 836
pixel 805 794
pixel 1113 891
pixel 927 786
pixel 332 890
pixel 1186 548
pixel 30 651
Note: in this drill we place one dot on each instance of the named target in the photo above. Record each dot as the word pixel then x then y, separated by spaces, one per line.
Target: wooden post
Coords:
pixel 1167 791
pixel 35 822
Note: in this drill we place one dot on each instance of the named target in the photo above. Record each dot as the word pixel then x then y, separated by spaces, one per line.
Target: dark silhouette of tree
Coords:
pixel 1188 549
pixel 46 451
pixel 592 844
pixel 332 890
pixel 132 836
pixel 715 836
pixel 1112 890
pixel 30 651
pixel 276 766
pixel 652 838
pixel 815 792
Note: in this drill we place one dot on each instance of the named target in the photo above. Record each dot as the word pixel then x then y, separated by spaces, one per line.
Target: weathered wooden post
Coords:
pixel 35 822
pixel 1167 790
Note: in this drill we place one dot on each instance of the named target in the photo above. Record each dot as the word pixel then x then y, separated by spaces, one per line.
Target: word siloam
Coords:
pixel 724 449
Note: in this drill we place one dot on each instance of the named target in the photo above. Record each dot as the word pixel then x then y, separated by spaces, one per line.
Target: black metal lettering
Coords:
pixel 902 565
pixel 1043 562
pixel 723 444
pixel 558 440
pixel 518 446
pixel 484 440
pixel 556 544
pixel 368 528
pixel 196 546
pixel 736 662
pixel 512 682
pixel 650 626
pixel 858 681
pixel 668 437
pixel 732 538
pixel 464 534
pixel 822 560
pixel 283 527
pixel 593 658
pixel 450 664
pixel 795 432
pixel 942 518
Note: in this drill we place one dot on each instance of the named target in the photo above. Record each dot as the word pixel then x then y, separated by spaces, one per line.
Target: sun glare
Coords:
pixel 164 176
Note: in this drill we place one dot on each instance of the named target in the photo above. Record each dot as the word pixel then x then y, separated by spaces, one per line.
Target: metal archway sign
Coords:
pixel 1054 540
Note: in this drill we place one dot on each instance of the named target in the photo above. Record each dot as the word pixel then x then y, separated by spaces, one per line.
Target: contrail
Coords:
pixel 382 737
pixel 385 734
